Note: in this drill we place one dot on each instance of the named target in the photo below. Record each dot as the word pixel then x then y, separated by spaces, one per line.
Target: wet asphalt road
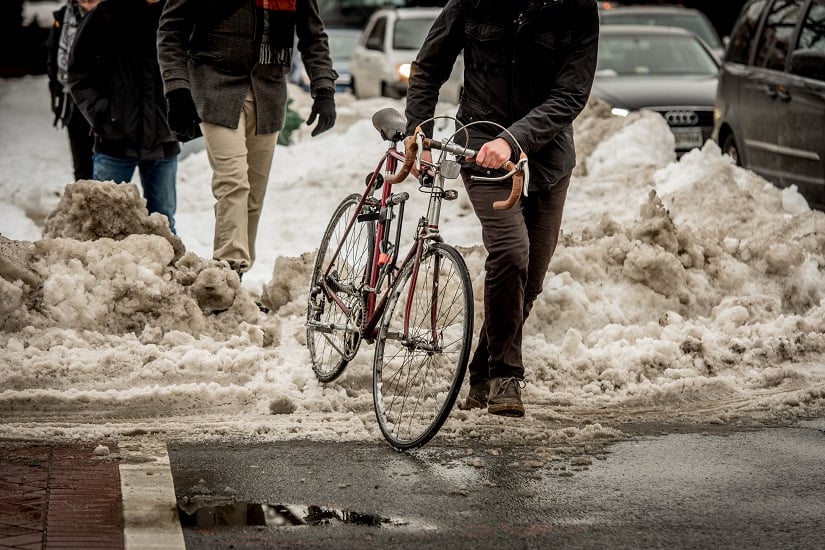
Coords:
pixel 755 489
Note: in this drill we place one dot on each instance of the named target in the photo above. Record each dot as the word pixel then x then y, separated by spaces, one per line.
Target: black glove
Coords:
pixel 182 116
pixel 58 101
pixel 324 108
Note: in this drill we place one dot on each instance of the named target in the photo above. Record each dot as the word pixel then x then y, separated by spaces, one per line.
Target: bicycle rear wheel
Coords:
pixel 333 335
pixel 417 376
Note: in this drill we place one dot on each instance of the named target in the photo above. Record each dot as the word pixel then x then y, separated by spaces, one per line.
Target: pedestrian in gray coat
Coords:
pixel 224 66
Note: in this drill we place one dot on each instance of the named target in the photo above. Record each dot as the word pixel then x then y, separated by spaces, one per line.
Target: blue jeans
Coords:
pixel 157 176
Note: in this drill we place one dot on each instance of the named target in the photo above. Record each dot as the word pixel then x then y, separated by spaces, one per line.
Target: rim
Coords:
pixel 416 380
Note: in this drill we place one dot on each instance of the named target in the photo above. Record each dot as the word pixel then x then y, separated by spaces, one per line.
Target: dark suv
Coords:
pixel 770 101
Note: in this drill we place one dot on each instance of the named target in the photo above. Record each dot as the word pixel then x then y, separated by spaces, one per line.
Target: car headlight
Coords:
pixel 403 71
pixel 619 112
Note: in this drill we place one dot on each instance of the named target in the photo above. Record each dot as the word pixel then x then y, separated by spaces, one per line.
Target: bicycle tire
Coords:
pixel 416 382
pixel 333 337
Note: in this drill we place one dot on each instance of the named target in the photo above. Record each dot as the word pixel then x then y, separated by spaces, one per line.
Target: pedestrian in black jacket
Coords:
pixel 115 79
pixel 529 66
pixel 224 66
pixel 59 45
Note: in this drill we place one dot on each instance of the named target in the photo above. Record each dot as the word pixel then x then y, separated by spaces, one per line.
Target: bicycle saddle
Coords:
pixel 390 124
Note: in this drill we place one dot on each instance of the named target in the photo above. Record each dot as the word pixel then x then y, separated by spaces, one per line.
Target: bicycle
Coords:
pixel 419 310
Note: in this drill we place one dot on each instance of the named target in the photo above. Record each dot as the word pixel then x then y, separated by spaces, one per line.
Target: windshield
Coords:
pixel 696 25
pixel 341 45
pixel 410 33
pixel 653 55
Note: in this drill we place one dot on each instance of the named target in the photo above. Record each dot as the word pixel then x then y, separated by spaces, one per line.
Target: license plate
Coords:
pixel 687 138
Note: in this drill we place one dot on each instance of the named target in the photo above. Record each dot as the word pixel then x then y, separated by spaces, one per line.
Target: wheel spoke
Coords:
pixel 333 335
pixel 417 376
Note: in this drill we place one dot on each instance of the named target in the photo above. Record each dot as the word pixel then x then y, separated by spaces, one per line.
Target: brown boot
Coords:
pixel 505 397
pixel 477 398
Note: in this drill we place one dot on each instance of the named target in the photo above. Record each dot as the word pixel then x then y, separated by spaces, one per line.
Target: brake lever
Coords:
pixel 419 140
pixel 526 175
pixel 521 164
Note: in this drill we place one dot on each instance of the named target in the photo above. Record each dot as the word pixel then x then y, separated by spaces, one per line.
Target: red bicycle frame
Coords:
pixel 375 308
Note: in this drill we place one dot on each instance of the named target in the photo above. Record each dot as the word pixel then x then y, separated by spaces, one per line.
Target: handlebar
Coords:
pixel 514 169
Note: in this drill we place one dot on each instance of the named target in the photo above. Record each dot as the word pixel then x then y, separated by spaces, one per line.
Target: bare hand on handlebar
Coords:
pixel 494 154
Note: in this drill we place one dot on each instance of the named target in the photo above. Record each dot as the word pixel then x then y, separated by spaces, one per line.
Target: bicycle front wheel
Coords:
pixel 422 347
pixel 333 333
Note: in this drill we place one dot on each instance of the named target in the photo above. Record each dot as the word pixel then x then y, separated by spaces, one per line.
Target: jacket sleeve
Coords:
pixel 86 70
pixel 174 30
pixel 433 65
pixel 52 44
pixel 570 92
pixel 314 46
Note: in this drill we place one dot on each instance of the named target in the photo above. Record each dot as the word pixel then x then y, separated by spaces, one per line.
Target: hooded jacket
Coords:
pixel 115 80
pixel 528 66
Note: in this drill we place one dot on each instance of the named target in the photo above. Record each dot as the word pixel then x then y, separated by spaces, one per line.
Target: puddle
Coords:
pixel 276 515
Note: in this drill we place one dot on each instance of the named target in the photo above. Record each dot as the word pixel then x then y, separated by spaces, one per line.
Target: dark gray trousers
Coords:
pixel 520 243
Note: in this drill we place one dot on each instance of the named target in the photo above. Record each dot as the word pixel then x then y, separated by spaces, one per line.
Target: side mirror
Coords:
pixel 808 63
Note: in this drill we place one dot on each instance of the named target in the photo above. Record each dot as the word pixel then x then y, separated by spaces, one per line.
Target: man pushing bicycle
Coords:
pixel 529 66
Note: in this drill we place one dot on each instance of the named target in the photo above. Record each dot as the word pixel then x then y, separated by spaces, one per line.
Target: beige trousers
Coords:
pixel 240 162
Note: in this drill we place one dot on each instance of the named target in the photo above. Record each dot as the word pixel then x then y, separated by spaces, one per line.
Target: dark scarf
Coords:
pixel 278 30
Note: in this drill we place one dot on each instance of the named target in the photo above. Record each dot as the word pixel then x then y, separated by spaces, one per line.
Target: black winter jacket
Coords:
pixel 115 80
pixel 528 65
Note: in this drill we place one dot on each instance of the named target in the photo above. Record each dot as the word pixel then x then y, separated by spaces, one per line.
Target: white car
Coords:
pixel 380 63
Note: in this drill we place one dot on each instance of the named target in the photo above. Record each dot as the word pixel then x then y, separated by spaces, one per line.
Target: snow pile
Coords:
pixel 687 289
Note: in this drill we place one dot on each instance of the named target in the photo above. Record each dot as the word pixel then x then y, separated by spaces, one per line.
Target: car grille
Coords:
pixel 690 127
pixel 687 117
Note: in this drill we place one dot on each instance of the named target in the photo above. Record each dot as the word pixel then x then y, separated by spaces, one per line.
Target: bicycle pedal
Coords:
pixel 450 195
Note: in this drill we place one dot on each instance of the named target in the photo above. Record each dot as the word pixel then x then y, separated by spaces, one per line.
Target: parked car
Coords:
pixel 380 63
pixel 663 69
pixel 666 16
pixel 341 43
pixel 770 104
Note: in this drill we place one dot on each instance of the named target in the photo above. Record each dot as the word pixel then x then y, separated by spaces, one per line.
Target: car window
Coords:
pixel 341 45
pixel 693 23
pixel 375 40
pixel 410 33
pixel 743 33
pixel 775 41
pixel 812 35
pixel 653 55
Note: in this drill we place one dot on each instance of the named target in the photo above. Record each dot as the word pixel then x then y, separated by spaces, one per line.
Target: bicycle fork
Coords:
pixel 433 345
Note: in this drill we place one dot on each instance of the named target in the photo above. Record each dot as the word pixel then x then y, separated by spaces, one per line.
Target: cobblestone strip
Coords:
pixel 58 497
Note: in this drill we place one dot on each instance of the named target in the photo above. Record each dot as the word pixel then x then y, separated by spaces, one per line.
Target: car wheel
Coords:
pixel 730 149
